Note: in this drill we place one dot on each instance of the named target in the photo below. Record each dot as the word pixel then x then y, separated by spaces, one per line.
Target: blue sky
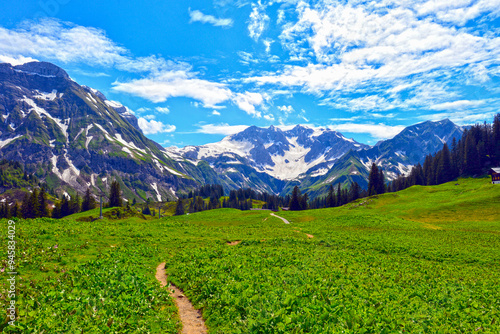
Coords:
pixel 195 71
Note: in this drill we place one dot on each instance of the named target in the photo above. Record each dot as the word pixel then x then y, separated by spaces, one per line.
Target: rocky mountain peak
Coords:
pixel 42 68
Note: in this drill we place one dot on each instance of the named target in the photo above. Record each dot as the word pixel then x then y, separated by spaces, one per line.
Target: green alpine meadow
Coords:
pixel 250 167
pixel 422 260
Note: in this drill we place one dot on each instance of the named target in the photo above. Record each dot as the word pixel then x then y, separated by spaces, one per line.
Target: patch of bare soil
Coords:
pixel 233 243
pixel 310 236
pixel 192 321
pixel 432 227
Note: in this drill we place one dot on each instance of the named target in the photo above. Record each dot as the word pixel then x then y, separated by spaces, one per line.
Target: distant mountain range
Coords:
pixel 73 138
pixel 316 158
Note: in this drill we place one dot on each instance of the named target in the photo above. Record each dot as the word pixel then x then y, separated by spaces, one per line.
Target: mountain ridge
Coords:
pixel 73 136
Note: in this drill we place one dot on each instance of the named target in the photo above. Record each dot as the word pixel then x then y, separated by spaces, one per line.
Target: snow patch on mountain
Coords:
pixel 42 112
pixel 241 148
pixel 155 187
pixel 292 163
pixel 319 172
pixel 46 96
pixel 173 171
pixel 6 142
pixel 404 169
pixel 113 104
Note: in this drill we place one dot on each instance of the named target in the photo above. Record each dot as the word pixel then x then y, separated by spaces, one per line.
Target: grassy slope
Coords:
pixel 425 259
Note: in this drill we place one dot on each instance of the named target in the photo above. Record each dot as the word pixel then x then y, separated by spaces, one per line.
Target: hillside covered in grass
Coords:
pixel 425 259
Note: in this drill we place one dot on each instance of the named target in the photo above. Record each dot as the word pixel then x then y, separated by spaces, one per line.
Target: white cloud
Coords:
pixel 461 104
pixel 149 117
pixel 91 74
pixel 348 45
pixel 267 44
pixel 65 42
pixel 377 131
pixel 281 16
pixel 158 88
pixel 197 16
pixel 53 40
pixel 151 126
pixel 345 119
pixel 269 117
pixel 14 61
pixel 69 43
pixel 143 109
pixel 457 12
pixel 221 129
pixel 247 102
pixel 365 103
pixel 247 58
pixel 258 21
pixel 288 109
pixel 215 113
pixel 163 110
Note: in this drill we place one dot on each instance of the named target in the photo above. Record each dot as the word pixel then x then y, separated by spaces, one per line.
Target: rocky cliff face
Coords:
pixel 72 136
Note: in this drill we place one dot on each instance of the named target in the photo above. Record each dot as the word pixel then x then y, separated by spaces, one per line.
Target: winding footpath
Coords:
pixel 283 219
pixel 192 321
pixel 310 236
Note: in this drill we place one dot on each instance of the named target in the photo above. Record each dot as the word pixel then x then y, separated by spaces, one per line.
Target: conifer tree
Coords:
pixel 191 204
pixel 65 208
pixel 74 204
pixel 354 191
pixel 88 202
pixel 496 139
pixel 330 198
pixel 56 211
pixel 146 210
pixel 295 200
pixel 34 204
pixel 443 172
pixel 179 209
pixel 471 156
pixel 26 209
pixel 303 202
pixel 373 180
pixel 16 211
pixel 43 209
pixel 4 210
pixel 115 199
pixel 339 196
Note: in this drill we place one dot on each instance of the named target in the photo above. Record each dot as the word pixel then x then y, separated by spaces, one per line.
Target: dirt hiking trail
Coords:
pixel 192 321
pixel 283 219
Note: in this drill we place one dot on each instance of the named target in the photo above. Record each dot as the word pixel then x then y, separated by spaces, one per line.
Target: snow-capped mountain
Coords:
pixel 284 155
pixel 73 137
pixel 315 158
pixel 395 156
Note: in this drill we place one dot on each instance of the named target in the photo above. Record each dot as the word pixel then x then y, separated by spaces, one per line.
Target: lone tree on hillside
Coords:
pixel 114 194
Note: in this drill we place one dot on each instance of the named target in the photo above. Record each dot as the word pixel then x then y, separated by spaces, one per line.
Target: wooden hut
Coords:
pixel 495 175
